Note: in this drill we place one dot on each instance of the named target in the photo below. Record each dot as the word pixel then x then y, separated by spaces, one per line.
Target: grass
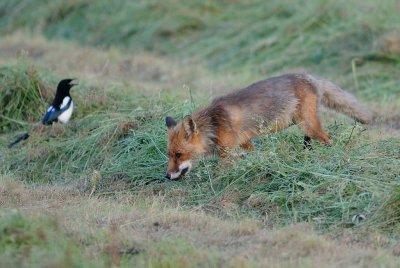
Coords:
pixel 98 182
pixel 21 87
pixel 229 35
pixel 52 226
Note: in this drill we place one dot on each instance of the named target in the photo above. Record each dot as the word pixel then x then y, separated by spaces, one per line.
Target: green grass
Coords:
pixel 38 238
pixel 38 241
pixel 22 92
pixel 159 58
pixel 251 35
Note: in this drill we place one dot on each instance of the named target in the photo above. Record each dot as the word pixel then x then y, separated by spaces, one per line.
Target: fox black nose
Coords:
pixel 167 176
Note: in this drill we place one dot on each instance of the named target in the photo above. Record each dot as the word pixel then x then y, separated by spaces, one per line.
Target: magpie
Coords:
pixel 62 107
pixel 59 111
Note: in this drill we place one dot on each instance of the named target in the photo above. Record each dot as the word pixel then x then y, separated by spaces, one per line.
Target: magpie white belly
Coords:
pixel 66 115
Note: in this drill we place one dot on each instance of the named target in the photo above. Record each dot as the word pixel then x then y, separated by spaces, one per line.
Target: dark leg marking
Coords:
pixel 307 142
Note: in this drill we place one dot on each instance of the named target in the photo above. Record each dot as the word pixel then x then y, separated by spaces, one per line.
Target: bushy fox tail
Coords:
pixel 337 99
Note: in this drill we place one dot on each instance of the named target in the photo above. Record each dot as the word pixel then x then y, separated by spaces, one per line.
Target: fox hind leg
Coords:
pixel 314 130
pixel 309 121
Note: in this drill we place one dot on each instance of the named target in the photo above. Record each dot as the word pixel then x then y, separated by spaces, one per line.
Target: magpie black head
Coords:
pixel 63 91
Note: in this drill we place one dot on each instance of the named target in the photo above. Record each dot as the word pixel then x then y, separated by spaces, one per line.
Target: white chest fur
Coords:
pixel 66 115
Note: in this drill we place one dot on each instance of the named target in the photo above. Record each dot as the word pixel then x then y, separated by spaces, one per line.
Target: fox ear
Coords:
pixel 170 122
pixel 189 125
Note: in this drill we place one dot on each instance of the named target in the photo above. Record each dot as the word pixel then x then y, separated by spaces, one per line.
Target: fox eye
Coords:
pixel 178 155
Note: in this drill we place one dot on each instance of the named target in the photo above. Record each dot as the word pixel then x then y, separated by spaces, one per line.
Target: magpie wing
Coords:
pixel 50 116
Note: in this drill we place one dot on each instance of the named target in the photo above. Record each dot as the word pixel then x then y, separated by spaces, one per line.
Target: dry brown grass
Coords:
pixel 131 224
pixel 391 42
pixel 106 68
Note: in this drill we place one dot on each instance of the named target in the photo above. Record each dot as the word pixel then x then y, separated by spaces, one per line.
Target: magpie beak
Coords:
pixel 74 82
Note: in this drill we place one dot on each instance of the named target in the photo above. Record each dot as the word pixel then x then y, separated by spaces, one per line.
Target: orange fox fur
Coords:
pixel 264 107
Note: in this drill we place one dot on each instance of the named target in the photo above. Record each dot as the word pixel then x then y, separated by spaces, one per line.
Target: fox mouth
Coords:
pixel 184 171
pixel 177 177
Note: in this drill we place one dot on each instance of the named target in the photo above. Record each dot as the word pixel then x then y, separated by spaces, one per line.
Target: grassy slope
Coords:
pixel 140 71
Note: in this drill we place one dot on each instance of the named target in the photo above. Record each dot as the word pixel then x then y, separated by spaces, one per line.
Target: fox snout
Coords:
pixel 174 176
pixel 183 169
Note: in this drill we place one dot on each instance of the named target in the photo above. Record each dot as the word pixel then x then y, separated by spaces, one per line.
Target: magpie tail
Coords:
pixel 20 138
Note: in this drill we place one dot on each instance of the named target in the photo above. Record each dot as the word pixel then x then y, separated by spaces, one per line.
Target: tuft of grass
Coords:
pixel 23 95
pixel 387 216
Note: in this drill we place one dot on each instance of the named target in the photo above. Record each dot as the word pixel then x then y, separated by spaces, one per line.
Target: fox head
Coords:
pixel 185 144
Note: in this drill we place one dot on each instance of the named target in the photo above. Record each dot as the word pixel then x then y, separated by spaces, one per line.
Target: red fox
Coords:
pixel 264 107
